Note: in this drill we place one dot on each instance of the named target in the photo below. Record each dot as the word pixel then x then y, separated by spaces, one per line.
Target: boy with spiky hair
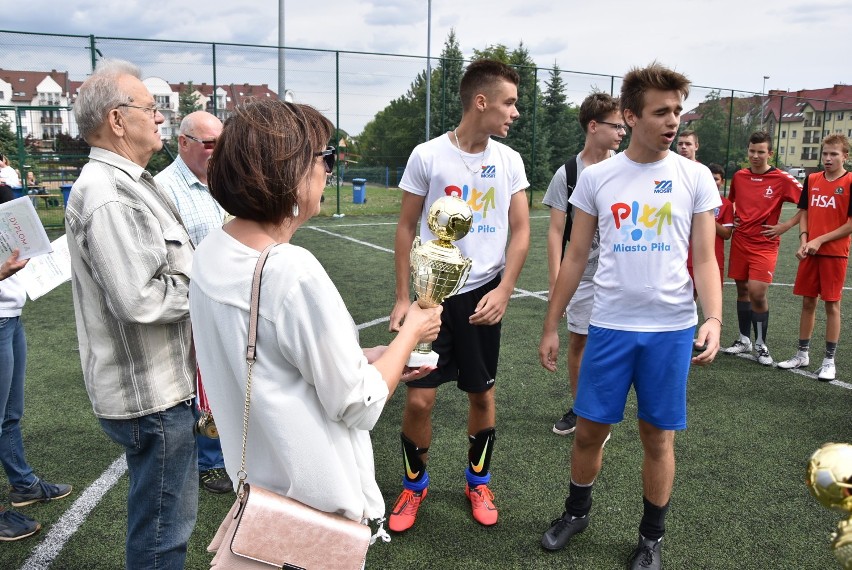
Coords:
pixel 600 119
pixel 824 229
pixel 647 203
pixel 758 193
pixel 489 176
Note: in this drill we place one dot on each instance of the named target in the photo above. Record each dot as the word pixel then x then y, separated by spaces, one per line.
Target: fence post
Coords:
pixel 535 113
pixel 778 137
pixel 337 124
pixel 728 146
pixel 215 86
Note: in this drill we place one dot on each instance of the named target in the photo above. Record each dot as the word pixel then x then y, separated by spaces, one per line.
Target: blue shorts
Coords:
pixel 656 364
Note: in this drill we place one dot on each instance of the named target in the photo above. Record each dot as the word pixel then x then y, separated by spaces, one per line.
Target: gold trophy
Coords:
pixel 829 480
pixel 438 269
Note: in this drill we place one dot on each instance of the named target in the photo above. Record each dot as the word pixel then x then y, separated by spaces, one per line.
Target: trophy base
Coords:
pixel 418 359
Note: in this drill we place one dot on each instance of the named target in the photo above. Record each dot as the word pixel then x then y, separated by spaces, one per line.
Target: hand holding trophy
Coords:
pixel 438 269
pixel 829 480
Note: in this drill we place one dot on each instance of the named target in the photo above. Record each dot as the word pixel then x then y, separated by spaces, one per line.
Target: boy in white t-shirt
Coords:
pixel 646 203
pixel 600 118
pixel 489 176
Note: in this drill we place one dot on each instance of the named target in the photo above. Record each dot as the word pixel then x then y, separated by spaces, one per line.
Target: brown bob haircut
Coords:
pixel 482 76
pixel 265 152
pixel 655 76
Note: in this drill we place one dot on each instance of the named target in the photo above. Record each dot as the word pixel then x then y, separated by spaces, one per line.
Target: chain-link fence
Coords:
pixel 377 102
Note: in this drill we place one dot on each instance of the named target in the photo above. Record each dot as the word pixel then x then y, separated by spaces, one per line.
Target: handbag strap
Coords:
pixel 251 357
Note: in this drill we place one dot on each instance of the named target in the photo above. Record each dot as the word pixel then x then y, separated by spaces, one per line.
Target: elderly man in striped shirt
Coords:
pixel 131 260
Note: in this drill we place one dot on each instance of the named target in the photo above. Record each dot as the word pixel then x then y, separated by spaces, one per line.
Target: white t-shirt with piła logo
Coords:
pixel 438 168
pixel 644 214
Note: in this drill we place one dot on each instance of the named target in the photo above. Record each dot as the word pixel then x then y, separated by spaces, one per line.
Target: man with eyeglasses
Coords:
pixel 185 180
pixel 131 260
pixel 601 120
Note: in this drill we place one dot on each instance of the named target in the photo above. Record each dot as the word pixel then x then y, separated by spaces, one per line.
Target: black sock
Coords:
pixel 744 317
pixel 653 525
pixel 761 326
pixel 830 349
pixel 579 501
pixel 804 344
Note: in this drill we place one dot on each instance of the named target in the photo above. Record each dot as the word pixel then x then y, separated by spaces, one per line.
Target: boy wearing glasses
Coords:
pixel 601 120
pixel 490 177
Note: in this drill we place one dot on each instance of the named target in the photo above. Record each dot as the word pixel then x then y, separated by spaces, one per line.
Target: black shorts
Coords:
pixel 467 353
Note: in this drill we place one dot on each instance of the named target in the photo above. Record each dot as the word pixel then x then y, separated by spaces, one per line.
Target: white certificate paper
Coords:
pixel 47 272
pixel 21 229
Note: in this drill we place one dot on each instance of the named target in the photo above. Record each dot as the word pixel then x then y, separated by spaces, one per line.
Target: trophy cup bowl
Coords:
pixel 829 479
pixel 438 269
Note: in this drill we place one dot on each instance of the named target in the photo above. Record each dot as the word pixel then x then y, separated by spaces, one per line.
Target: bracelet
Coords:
pixel 803 234
pixel 715 318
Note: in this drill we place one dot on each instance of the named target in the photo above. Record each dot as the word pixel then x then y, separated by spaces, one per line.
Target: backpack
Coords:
pixel 571 181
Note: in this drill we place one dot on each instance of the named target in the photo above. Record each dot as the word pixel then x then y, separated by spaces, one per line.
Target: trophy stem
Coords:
pixel 422 355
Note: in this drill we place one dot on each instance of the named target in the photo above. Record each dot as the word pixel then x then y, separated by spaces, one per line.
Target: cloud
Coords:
pixel 397 13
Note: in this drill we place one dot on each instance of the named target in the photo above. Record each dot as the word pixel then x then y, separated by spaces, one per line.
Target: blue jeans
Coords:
pixel 13 366
pixel 209 452
pixel 163 499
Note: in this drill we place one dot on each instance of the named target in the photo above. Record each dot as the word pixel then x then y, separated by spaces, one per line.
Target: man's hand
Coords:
pixel 397 315
pixel 548 350
pixel 491 308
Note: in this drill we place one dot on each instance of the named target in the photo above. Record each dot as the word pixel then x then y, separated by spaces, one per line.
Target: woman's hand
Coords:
pixel 425 322
pixel 409 373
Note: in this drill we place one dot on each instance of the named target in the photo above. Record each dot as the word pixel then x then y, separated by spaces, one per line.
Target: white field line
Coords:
pixel 51 545
pixel 67 525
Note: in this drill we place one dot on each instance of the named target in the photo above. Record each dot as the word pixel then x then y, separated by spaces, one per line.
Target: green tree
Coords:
pixel 188 100
pixel 712 129
pixel 446 79
pixel 8 140
pixel 563 128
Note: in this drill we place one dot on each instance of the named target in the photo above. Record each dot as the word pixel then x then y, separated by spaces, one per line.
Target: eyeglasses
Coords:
pixel 616 126
pixel 328 156
pixel 153 110
pixel 209 144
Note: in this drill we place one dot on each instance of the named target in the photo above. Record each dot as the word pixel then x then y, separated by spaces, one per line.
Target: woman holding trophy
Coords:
pixel 315 394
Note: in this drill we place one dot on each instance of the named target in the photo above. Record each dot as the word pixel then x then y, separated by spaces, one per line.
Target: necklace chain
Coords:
pixel 461 156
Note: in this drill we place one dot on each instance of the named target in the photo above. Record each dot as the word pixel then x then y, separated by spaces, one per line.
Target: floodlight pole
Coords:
pixel 428 66
pixel 282 89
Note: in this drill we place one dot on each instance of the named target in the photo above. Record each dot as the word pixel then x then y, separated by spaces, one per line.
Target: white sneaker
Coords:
pixel 740 346
pixel 763 354
pixel 800 360
pixel 827 372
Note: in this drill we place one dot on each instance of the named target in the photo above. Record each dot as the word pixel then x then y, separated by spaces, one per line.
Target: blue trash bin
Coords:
pixel 66 192
pixel 359 190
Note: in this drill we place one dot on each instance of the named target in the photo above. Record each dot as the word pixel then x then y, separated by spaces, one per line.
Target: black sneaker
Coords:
pixel 15 526
pixel 562 529
pixel 647 555
pixel 216 481
pixel 567 424
pixel 39 492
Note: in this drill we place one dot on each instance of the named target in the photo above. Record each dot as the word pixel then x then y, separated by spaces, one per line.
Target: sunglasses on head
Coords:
pixel 209 144
pixel 328 156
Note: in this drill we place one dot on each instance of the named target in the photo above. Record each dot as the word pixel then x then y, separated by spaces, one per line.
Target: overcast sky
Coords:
pixel 731 44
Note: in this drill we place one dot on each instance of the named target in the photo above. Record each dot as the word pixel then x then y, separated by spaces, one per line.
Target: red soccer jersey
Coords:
pixel 758 199
pixel 724 215
pixel 828 206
